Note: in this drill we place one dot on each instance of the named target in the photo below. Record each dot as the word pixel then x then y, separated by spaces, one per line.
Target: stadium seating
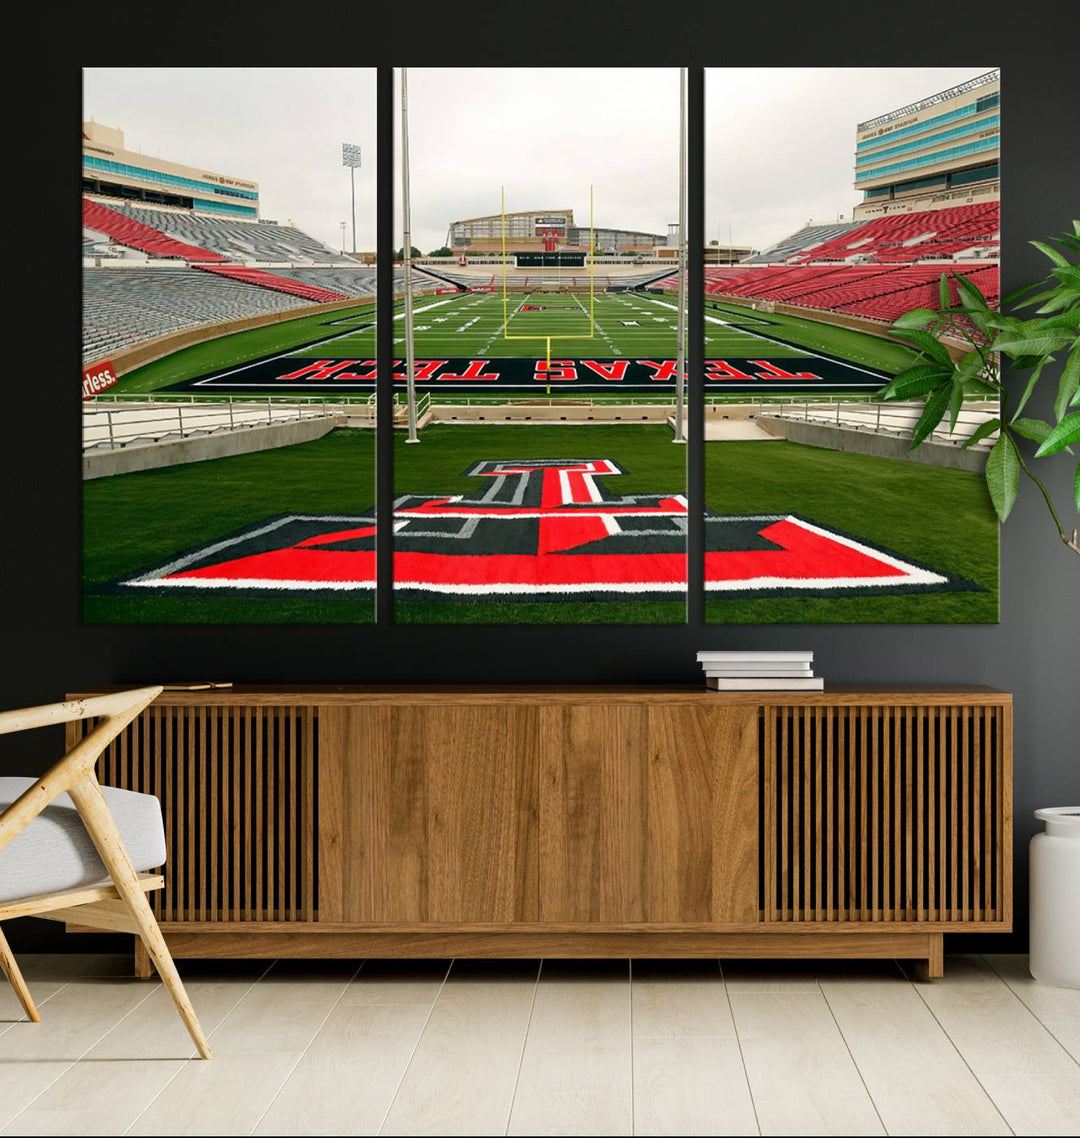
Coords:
pixel 236 240
pixel 314 293
pixel 126 230
pixel 358 281
pixel 905 237
pixel 805 239
pixel 880 292
pixel 123 307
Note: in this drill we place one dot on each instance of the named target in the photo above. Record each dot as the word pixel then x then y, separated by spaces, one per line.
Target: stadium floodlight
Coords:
pixel 406 222
pixel 680 349
pixel 350 157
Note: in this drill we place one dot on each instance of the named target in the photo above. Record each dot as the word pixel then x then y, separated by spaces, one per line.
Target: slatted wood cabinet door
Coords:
pixel 887 813
pixel 239 797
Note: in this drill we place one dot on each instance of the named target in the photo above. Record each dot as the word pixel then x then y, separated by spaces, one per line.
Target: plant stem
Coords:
pixel 1071 543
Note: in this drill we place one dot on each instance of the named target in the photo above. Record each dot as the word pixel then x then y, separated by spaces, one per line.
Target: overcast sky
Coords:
pixel 780 142
pixel 547 134
pixel 281 127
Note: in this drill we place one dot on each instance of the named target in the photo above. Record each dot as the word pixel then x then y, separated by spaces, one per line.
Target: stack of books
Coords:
pixel 760 671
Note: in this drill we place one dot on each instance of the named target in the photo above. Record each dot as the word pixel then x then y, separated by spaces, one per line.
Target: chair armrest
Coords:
pixel 117 711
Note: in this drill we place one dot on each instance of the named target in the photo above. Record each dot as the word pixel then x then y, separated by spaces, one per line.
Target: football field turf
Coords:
pixel 138 523
pixel 609 346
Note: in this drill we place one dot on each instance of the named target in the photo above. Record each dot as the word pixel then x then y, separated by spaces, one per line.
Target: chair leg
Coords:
pixel 15 979
pixel 106 838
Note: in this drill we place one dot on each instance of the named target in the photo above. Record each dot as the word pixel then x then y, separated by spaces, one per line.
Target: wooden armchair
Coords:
pixel 56 877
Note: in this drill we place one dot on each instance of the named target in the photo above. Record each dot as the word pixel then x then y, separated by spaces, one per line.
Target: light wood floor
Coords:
pixel 563 1048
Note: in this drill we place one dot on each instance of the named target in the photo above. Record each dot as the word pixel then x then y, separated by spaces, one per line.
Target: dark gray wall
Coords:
pixel 1034 652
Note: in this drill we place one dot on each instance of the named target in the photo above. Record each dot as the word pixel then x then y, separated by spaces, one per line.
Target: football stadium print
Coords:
pixel 539 390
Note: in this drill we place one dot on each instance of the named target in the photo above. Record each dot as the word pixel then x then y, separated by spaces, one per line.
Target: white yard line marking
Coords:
pixel 293 351
pixel 790 347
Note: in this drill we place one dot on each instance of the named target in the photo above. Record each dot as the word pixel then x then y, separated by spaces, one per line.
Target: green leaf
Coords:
pixel 1003 475
pixel 1050 251
pixel 1068 274
pixel 980 432
pixel 1064 434
pixel 1032 380
pixel 1034 342
pixel 915 382
pixel 937 404
pixel 931 346
pixel 975 386
pixel 916 318
pixel 1034 429
pixel 943 291
pixel 1062 300
pixel 1068 384
pixel 1015 296
pixel 970 364
pixel 976 308
pixel 1076 487
pixel 956 401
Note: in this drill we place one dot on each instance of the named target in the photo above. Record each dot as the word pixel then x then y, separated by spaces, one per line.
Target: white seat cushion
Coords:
pixel 55 852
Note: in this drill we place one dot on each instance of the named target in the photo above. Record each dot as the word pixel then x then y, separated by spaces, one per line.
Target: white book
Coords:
pixel 814 683
pixel 758 673
pixel 758 667
pixel 755 657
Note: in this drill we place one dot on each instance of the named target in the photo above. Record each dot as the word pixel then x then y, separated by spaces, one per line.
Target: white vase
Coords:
pixel 1055 898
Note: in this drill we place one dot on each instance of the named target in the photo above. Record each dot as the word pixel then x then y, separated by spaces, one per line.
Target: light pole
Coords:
pixel 406 222
pixel 680 366
pixel 350 157
pixel 342 224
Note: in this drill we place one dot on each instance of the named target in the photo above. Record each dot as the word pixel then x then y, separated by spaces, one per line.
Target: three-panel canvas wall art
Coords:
pixel 543 402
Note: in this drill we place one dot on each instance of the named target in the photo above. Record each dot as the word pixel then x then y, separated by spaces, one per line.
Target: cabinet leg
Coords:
pixel 935 963
pixel 143 969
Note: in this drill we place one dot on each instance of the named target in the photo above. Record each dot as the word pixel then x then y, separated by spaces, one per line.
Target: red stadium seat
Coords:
pixel 272 280
pixel 127 231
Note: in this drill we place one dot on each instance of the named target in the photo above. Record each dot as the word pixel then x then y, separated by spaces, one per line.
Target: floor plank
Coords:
pixel 34 1055
pixel 576 1071
pixel 227 1095
pixel 1057 1009
pixel 154 1030
pixel 679 998
pixel 461 1079
pixel 691 1084
pixel 769 975
pixel 1038 1104
pixel 1023 1068
pixel 918 1081
pixel 96 1097
pixel 801 1076
pixel 347 1078
pixel 285 1009
pixel 994 1031
pixel 397 982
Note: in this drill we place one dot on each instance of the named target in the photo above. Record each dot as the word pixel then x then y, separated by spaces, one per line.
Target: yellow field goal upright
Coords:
pixel 548 338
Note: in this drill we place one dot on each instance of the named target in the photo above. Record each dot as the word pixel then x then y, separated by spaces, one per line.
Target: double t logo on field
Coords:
pixel 541 529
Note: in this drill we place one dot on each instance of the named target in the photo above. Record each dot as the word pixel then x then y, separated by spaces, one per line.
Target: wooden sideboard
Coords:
pixel 576 821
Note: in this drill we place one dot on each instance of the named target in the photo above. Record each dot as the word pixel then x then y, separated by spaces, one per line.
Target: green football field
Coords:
pixel 138 522
pixel 633 325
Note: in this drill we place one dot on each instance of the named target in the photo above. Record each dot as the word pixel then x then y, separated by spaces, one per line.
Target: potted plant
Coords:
pixel 943 378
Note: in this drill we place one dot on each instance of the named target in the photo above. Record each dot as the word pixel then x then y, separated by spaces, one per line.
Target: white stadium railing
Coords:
pixel 135 423
pixel 887 418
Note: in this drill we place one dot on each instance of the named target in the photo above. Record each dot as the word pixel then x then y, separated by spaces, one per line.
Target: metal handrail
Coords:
pixel 123 425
